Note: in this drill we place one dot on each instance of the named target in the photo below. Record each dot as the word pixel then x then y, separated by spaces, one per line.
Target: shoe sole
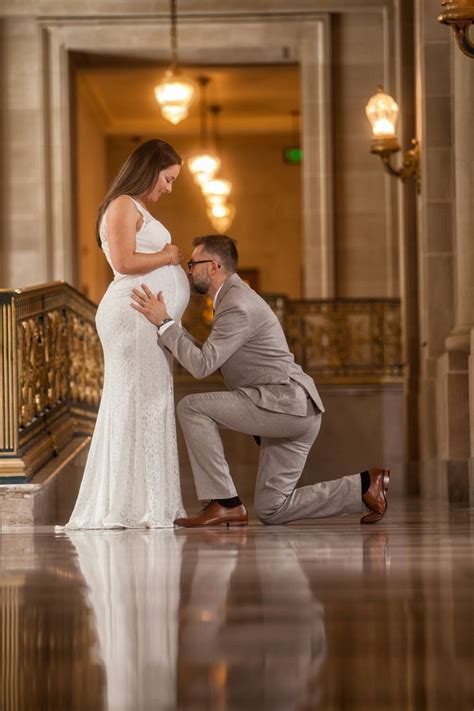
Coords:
pixel 374 516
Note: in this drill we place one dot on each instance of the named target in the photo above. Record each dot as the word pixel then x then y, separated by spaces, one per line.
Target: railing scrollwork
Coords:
pixel 52 374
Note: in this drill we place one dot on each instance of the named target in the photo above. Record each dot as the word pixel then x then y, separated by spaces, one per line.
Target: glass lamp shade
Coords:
pixel 223 220
pixel 215 200
pixel 175 96
pixel 217 187
pixel 201 179
pixel 382 113
pixel 221 210
pixel 221 224
pixel 204 163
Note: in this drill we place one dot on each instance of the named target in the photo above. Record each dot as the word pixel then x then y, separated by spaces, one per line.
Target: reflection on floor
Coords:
pixel 325 615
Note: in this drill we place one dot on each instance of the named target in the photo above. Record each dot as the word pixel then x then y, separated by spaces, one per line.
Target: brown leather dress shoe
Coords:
pixel 375 498
pixel 215 515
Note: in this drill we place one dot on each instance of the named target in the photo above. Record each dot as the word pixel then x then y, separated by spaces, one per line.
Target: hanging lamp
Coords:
pixel 175 93
pixel 221 216
pixel 204 164
pixel 220 211
pixel 217 186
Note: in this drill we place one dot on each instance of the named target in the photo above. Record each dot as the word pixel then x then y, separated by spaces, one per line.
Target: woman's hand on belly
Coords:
pixel 174 253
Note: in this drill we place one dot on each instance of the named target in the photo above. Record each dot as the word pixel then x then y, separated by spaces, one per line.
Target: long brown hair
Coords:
pixel 139 173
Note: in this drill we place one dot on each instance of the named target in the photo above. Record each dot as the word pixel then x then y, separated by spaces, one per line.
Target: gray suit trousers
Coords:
pixel 285 443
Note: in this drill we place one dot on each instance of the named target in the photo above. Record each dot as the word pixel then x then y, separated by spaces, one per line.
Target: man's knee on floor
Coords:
pixel 268 511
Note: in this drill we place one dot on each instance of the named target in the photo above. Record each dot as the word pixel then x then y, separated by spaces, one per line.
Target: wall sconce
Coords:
pixel 382 113
pixel 460 15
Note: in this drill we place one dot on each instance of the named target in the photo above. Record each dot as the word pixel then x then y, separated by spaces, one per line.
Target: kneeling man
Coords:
pixel 269 396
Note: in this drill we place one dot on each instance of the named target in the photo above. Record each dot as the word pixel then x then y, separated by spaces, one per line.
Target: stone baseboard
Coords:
pixel 449 480
pixel 37 503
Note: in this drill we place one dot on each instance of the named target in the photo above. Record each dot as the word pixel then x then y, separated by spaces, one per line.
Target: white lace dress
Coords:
pixel 131 478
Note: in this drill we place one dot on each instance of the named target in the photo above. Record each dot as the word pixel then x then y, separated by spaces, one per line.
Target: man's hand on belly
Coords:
pixel 151 306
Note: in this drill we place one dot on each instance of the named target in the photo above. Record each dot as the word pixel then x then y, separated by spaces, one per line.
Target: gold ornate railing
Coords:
pixel 356 339
pixel 51 374
pixel 51 370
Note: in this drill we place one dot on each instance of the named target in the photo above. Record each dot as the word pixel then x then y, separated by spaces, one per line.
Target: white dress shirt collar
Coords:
pixel 217 294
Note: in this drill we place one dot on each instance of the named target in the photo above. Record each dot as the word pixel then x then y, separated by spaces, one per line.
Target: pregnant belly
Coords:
pixel 115 305
pixel 174 284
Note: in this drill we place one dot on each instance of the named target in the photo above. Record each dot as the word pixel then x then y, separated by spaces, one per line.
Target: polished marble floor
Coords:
pixel 324 615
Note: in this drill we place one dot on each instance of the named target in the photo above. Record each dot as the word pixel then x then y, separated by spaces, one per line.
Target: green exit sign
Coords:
pixel 292 154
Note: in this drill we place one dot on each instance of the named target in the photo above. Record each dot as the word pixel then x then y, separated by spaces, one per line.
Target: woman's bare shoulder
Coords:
pixel 123 204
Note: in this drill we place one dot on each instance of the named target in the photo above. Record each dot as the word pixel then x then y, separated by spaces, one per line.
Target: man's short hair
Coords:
pixel 223 248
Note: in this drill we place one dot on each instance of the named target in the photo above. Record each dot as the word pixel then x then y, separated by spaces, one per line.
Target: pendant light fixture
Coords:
pixel 221 216
pixel 216 192
pixel 175 93
pixel 217 187
pixel 204 164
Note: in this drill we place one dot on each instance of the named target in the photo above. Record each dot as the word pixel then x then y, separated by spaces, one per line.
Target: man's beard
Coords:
pixel 199 286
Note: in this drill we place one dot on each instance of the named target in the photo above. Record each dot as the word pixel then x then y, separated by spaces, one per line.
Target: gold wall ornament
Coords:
pixel 459 14
pixel 51 374
pixel 382 114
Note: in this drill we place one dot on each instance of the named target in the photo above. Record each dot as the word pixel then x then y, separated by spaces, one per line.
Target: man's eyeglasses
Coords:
pixel 193 262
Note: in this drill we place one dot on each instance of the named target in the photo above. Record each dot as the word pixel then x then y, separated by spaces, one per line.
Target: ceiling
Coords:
pixel 254 99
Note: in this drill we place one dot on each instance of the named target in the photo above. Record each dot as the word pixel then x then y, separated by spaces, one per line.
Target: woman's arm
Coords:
pixel 123 221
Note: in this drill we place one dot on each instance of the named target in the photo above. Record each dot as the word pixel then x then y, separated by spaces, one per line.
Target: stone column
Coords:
pixel 471 418
pixel 435 234
pixel 455 419
pixel 464 182
pixel 24 192
pixel 318 238
pixel 409 286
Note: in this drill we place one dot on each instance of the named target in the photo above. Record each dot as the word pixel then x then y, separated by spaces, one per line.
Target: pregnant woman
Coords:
pixel 131 479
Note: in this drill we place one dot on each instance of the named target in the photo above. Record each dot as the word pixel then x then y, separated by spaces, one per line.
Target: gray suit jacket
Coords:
pixel 247 343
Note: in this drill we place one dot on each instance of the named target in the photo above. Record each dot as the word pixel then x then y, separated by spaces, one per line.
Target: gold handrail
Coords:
pixel 51 374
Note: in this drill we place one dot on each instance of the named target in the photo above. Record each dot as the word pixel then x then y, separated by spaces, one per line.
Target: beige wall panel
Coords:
pixel 94 274
pixel 439 314
pixel 439 217
pixel 366 240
